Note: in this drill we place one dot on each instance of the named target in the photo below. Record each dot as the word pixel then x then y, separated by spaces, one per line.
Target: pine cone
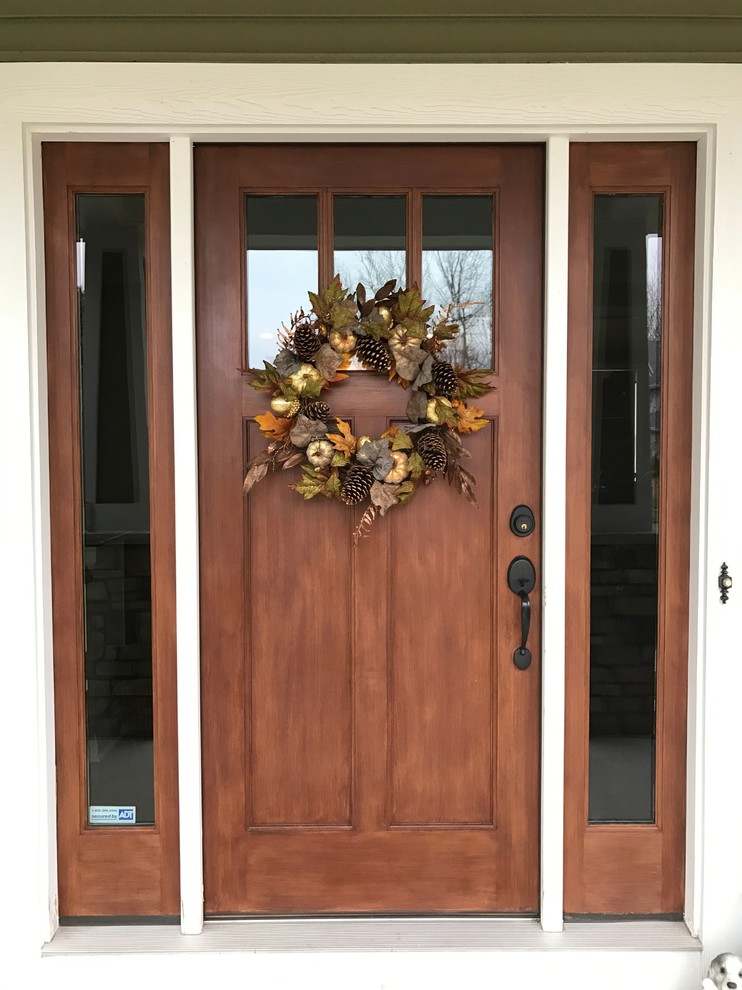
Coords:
pixel 444 379
pixel 316 410
pixel 306 342
pixel 357 485
pixel 372 353
pixel 432 449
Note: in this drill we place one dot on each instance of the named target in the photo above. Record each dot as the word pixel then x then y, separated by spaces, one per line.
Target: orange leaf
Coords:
pixel 469 418
pixel 344 441
pixel 272 426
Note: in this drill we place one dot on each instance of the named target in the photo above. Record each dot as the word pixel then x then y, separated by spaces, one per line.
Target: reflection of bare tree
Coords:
pixel 460 282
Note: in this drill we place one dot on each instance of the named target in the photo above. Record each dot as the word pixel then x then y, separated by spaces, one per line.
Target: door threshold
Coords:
pixel 411 934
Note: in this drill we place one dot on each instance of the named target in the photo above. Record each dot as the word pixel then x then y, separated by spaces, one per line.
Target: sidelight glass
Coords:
pixel 115 510
pixel 458 255
pixel 370 240
pixel 626 405
pixel 281 265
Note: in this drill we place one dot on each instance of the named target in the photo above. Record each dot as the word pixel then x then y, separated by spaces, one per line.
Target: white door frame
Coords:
pixel 551 103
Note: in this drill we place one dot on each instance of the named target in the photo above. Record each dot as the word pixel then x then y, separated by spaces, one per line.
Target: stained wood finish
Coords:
pixel 369 745
pixel 616 869
pixel 106 871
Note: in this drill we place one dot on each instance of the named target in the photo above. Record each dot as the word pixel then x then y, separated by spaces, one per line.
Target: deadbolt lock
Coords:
pixel 522 522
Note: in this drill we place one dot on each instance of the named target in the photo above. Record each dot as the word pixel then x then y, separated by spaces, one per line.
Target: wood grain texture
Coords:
pixel 109 871
pixel 631 868
pixel 366 746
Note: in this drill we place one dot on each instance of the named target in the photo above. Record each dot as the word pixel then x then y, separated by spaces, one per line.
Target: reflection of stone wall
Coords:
pixel 119 638
pixel 623 630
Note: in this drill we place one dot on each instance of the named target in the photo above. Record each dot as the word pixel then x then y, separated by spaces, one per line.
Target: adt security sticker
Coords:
pixel 112 815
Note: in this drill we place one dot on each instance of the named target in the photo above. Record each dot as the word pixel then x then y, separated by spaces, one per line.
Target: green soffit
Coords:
pixel 378 31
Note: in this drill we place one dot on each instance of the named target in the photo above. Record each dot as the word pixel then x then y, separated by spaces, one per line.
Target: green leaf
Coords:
pixel 265 380
pixel 445 330
pixel 473 383
pixel 312 389
pixel 402 441
pixel 323 301
pixel 410 304
pixel 332 486
pixel 339 459
pixel 416 465
pixel 405 491
pixel 311 484
pixel 343 314
pixel 377 329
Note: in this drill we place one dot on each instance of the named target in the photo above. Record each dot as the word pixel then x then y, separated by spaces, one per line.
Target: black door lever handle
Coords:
pixel 521 581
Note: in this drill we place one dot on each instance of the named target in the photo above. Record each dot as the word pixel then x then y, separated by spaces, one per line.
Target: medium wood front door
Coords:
pixel 369 745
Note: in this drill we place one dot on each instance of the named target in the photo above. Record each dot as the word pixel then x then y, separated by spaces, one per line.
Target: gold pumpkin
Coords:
pixel 386 314
pixel 282 406
pixel 343 343
pixel 319 453
pixel 400 470
pixel 299 379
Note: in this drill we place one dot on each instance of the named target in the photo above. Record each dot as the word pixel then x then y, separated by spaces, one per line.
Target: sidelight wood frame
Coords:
pixel 107 871
pixel 631 868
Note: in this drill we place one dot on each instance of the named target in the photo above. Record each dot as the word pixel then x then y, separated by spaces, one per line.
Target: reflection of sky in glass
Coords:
pixel 457 271
pixel 277 285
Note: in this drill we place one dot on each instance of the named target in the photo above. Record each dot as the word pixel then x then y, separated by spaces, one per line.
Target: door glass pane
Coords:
pixel 626 402
pixel 458 250
pixel 281 267
pixel 115 513
pixel 370 240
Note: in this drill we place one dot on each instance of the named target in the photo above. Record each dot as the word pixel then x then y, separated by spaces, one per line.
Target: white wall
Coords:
pixel 379 103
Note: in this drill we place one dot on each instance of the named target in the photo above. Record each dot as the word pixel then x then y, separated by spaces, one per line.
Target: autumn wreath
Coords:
pixel 393 333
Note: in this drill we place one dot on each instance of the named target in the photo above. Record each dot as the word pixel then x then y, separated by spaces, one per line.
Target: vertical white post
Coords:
pixel 186 537
pixel 554 533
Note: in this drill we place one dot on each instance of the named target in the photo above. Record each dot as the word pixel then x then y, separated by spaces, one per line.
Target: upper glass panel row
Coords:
pixel 370 238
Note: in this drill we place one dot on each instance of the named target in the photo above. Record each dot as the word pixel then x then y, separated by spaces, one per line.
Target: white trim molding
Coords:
pixel 555 104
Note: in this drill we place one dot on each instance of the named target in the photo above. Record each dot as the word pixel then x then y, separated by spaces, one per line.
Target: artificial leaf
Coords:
pixel 469 419
pixel 443 412
pixel 361 293
pixel 323 301
pixel 443 330
pixel 305 430
pixel 473 382
pixel 416 465
pixel 339 459
pixel 332 486
pixel 405 491
pixel 312 387
pixel 257 468
pixel 425 374
pixel 364 526
pixel 376 454
pixel 417 405
pixel 339 376
pixel 274 427
pixel 399 439
pixel 293 460
pixel 342 314
pixel 327 361
pixel 343 441
pixel 375 327
pixel 265 380
pixel 383 496
pixel 286 363
pixel 310 484
pixel 386 290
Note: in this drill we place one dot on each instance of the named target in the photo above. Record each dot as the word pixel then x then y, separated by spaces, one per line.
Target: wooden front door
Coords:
pixel 369 744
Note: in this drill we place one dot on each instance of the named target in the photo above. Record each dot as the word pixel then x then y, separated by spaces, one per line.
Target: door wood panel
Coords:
pixel 369 745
